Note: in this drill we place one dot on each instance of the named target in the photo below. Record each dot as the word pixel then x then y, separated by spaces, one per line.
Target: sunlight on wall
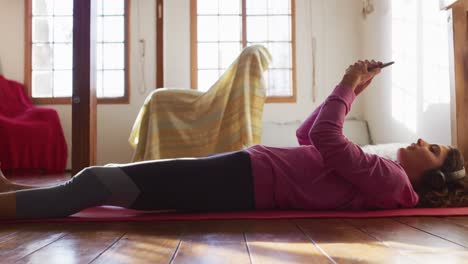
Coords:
pixel 436 81
pixel 404 47
pixel 420 77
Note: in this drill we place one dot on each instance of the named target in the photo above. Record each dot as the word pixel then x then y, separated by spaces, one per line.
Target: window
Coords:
pixel 421 80
pixel 49 51
pixel 222 28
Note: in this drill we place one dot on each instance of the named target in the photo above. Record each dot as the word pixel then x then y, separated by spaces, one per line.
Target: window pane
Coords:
pixel 257 28
pixel 41 57
pixel 231 7
pixel 279 7
pixel 256 7
pixel 229 52
pixel 279 83
pixel 281 53
pixel 435 69
pixel 263 43
pixel 42 84
pixel 99 84
pixel 63 7
pixel 114 83
pixel 63 56
pixel 52 64
pixel 63 83
pixel 42 30
pixel 279 28
pixel 206 79
pixel 100 7
pixel 99 57
pixel 63 29
pixel 206 7
pixel 113 29
pixel 231 28
pixel 99 29
pixel 268 23
pixel 208 56
pixel 113 56
pixel 42 7
pixel 207 28
pixel 114 7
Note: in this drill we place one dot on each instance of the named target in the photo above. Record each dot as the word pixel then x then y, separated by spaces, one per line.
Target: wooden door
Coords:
pixel 84 85
pixel 458 50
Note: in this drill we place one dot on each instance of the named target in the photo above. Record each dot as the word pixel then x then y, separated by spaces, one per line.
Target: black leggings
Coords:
pixel 221 182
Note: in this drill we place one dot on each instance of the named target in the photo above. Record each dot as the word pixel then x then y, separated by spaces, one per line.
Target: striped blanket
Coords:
pixel 176 123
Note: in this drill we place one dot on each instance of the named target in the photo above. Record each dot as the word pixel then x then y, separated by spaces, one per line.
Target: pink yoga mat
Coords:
pixel 117 214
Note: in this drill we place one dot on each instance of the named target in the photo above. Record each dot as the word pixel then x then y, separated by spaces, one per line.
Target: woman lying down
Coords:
pixel 327 172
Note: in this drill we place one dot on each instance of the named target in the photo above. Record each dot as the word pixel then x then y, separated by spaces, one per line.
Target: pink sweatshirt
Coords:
pixel 328 172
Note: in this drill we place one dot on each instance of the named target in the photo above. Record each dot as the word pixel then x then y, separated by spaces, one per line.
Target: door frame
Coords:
pixel 84 85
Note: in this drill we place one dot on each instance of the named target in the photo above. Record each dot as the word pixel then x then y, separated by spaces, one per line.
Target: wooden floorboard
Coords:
pixel 81 243
pixel 212 241
pixel 379 240
pixel 281 241
pixel 334 240
pixel 146 242
pixel 459 220
pixel 345 243
pixel 439 227
pixel 27 239
pixel 416 244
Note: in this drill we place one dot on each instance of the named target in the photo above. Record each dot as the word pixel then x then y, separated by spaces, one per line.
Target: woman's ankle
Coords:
pixel 17 187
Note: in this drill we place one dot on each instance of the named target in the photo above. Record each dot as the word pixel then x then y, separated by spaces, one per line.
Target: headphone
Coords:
pixel 438 180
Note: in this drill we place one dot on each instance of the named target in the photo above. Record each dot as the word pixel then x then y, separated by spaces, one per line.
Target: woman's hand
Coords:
pixel 358 76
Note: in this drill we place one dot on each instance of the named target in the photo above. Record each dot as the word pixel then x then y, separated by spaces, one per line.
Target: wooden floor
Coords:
pixel 378 240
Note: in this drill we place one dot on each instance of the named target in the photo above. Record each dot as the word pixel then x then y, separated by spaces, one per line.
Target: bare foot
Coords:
pixel 5 184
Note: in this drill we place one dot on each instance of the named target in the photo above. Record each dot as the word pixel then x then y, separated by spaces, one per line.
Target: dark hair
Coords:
pixel 453 194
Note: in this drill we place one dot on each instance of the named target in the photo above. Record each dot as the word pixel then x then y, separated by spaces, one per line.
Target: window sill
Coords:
pixel 67 101
pixel 280 99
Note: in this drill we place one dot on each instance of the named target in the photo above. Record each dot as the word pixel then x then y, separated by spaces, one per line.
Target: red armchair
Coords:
pixel 31 138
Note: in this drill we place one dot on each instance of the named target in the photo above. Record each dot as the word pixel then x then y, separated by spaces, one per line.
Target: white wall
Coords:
pixel 432 124
pixel 336 24
pixel 12 30
pixel 377 44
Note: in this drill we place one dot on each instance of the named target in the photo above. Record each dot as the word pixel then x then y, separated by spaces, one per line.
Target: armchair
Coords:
pixel 31 138
pixel 176 123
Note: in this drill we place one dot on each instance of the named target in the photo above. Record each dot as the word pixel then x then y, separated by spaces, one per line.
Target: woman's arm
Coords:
pixel 356 79
pixel 381 179
pixel 302 133
pixel 372 175
pixel 327 132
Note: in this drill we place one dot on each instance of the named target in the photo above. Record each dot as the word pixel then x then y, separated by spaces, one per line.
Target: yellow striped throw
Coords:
pixel 175 123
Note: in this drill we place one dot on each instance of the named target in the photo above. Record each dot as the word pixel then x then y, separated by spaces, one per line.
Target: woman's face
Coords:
pixel 420 157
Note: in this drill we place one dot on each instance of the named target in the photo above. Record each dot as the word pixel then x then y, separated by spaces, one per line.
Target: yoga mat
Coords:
pixel 118 214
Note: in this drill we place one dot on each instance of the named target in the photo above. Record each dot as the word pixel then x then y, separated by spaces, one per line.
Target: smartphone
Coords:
pixel 382 66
